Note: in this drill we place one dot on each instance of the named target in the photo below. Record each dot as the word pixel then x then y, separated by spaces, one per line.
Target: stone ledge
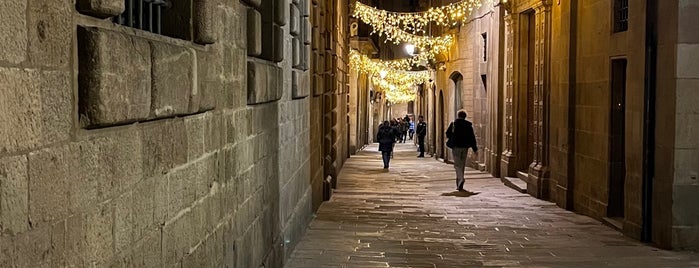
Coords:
pixel 300 86
pixel 279 44
pixel 306 30
pixel 114 78
pixel 254 32
pixel 207 22
pixel 126 78
pixel 253 3
pixel 281 9
pixel 296 52
pixel 264 82
pixel 294 21
pixel 101 8
pixel 172 80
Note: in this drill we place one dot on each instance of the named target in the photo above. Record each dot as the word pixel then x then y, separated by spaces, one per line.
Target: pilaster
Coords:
pixel 508 167
pixel 538 169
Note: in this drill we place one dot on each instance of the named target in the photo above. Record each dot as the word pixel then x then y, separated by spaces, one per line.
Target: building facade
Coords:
pixel 153 133
pixel 583 103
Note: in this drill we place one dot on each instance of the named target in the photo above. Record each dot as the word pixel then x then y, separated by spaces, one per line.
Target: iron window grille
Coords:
pixel 145 15
pixel 621 15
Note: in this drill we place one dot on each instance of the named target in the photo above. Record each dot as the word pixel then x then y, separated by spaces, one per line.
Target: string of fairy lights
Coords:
pixel 394 76
pixel 398 84
pixel 416 22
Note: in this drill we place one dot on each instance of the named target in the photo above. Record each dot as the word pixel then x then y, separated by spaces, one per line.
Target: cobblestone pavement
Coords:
pixel 411 216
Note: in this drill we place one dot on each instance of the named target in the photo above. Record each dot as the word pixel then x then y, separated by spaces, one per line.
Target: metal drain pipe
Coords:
pixel 649 119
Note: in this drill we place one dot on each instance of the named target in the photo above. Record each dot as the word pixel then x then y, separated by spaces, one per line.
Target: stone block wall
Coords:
pixel 467 61
pixel 685 187
pixel 124 148
pixel 562 97
pixel 596 49
pixel 583 47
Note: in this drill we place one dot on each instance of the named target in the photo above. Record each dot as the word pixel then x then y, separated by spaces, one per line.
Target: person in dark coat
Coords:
pixel 386 138
pixel 404 125
pixel 421 132
pixel 460 134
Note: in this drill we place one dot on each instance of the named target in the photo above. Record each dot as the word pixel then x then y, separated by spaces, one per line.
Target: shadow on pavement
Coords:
pixel 460 194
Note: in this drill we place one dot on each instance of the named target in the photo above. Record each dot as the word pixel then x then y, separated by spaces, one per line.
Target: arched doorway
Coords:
pixel 457 79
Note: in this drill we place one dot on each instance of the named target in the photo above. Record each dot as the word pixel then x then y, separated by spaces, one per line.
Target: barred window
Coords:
pixel 621 15
pixel 145 15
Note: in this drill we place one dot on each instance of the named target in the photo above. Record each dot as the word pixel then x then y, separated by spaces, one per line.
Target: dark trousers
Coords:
pixel 421 144
pixel 386 158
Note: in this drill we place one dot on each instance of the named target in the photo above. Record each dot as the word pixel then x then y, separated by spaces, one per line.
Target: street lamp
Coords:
pixel 410 48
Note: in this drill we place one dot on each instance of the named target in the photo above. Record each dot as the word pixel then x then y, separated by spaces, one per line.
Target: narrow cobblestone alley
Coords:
pixel 411 216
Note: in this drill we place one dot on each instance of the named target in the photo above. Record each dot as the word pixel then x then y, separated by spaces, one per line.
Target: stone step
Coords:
pixel 523 176
pixel 616 223
pixel 515 183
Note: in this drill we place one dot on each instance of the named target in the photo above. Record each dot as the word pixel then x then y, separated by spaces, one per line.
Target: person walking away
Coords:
pixel 461 137
pixel 421 132
pixel 386 137
pixel 403 130
pixel 394 125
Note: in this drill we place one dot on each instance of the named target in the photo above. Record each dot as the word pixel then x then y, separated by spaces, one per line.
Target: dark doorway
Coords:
pixel 617 148
pixel 440 115
pixel 527 137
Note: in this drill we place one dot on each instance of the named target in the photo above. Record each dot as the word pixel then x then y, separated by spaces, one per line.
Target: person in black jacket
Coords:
pixel 461 136
pixel 386 138
pixel 421 132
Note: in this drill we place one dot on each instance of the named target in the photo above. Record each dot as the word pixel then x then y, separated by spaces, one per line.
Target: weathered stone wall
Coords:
pixel 583 47
pixel 398 110
pixel 596 49
pixel 560 145
pixel 685 152
pixel 120 147
pixel 329 122
pixel 475 59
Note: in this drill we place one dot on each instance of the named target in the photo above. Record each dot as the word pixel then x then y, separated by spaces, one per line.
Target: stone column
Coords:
pixel 508 167
pixel 538 170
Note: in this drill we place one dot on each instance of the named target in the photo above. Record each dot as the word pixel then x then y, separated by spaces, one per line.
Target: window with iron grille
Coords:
pixel 145 15
pixel 621 15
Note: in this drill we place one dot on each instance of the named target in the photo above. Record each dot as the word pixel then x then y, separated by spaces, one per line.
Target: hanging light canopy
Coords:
pixel 398 84
pixel 415 22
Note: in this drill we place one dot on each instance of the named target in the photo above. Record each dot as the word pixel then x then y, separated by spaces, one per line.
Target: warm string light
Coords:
pixel 416 22
pixel 387 70
pixel 400 97
pixel 431 45
pixel 402 27
pixel 398 84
